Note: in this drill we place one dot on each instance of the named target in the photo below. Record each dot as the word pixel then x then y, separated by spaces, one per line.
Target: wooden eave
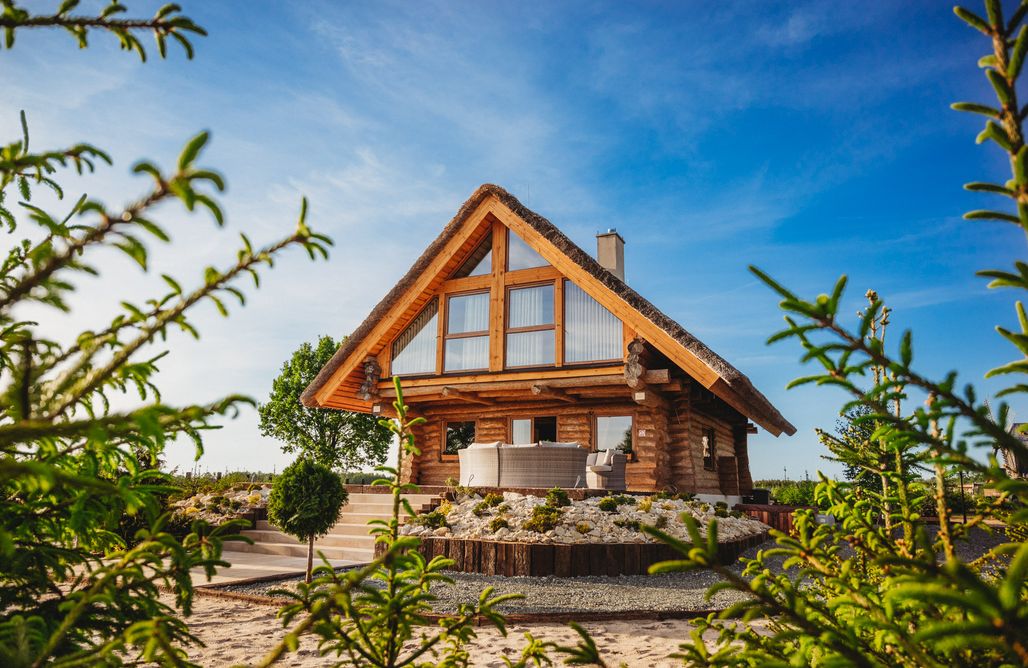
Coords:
pixel 339 390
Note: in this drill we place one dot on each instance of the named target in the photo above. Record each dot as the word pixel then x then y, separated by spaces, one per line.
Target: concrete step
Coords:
pixel 385 509
pixel 330 540
pixel 295 549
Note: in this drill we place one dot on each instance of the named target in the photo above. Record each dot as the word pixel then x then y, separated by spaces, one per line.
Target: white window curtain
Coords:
pixel 530 348
pixel 467 313
pixel 591 332
pixel 530 307
pixel 414 350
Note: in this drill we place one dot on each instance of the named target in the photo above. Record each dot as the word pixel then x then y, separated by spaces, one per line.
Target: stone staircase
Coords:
pixel 348 542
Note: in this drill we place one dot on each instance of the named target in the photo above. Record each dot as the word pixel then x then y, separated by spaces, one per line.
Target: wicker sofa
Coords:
pixel 531 466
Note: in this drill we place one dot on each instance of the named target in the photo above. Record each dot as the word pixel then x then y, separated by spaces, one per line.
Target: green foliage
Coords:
pixel 583 527
pixel 86 544
pixel 628 524
pixel 789 492
pixel 544 518
pixel 608 504
pixel 498 523
pixel 306 499
pixel 433 520
pixel 877 588
pixel 557 498
pixel 481 508
pixel 492 499
pixel 341 440
pixel 645 504
pixel 360 478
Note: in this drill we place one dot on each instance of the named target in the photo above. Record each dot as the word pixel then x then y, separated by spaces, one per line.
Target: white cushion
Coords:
pixel 606 459
pixel 591 459
pixel 600 469
pixel 558 444
pixel 478 446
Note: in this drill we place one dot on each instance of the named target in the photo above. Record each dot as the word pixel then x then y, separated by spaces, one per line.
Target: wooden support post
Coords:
pixel 634 369
pixel 372 374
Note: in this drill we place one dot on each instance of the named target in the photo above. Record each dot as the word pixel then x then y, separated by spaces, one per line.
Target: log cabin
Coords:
pixel 505 330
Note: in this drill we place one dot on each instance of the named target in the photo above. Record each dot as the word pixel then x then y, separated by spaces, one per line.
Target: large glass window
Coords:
pixel 614 431
pixel 480 262
pixel 467 332
pixel 591 332
pixel 530 335
pixel 533 430
pixel 459 435
pixel 414 350
pixel 520 255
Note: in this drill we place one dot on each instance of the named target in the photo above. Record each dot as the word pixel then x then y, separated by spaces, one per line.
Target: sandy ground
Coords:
pixel 239 632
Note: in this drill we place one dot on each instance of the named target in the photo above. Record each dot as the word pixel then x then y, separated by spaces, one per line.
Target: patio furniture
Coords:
pixel 519 466
pixel 606 470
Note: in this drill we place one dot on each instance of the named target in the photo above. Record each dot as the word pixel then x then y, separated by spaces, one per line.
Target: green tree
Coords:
pixel 305 502
pixel 341 440
pixel 72 590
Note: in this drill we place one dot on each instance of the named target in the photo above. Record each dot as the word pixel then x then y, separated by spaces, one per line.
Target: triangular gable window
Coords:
pixel 480 262
pixel 414 350
pixel 520 255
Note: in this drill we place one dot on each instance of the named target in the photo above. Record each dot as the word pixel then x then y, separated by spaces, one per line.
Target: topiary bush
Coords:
pixel 305 502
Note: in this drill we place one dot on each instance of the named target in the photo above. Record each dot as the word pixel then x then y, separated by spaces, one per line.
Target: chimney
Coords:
pixel 610 252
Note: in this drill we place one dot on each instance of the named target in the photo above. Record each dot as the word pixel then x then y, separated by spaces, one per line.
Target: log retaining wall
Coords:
pixel 490 557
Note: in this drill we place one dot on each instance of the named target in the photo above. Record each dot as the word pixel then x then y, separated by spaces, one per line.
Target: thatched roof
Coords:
pixel 761 409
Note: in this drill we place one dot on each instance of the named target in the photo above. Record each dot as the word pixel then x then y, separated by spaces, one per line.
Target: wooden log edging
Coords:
pixel 491 557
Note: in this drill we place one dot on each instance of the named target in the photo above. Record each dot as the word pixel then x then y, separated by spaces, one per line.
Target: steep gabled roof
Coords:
pixel 695 358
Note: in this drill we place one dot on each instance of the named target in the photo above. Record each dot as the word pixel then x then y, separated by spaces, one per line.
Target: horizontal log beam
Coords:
pixel 553 392
pixel 656 376
pixel 464 395
pixel 526 385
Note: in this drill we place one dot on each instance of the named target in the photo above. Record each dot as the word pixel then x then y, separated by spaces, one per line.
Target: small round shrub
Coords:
pixel 492 499
pixel 498 523
pixel 608 504
pixel 432 520
pixel 557 498
pixel 503 507
pixel 624 499
pixel 445 507
pixel 646 504
pixel 660 522
pixel 583 527
pixel 628 524
pixel 544 518
pixel 481 508
pixel 306 499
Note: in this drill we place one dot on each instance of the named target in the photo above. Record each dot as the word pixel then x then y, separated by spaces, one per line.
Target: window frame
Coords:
pixel 446 456
pixel 594 445
pixel 707 430
pixel 564 331
pixel 462 335
pixel 531 419
pixel 533 328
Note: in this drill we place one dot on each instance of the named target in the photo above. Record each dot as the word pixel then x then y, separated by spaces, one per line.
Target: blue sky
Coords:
pixel 811 139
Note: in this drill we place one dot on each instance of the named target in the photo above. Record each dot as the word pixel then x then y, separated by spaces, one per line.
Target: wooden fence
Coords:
pixel 776 517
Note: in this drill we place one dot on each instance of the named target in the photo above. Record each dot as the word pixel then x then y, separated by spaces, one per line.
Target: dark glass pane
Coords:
pixel 614 431
pixel 459 435
pixel 545 429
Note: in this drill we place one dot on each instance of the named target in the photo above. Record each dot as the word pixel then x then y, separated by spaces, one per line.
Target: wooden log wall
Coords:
pixel 490 557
